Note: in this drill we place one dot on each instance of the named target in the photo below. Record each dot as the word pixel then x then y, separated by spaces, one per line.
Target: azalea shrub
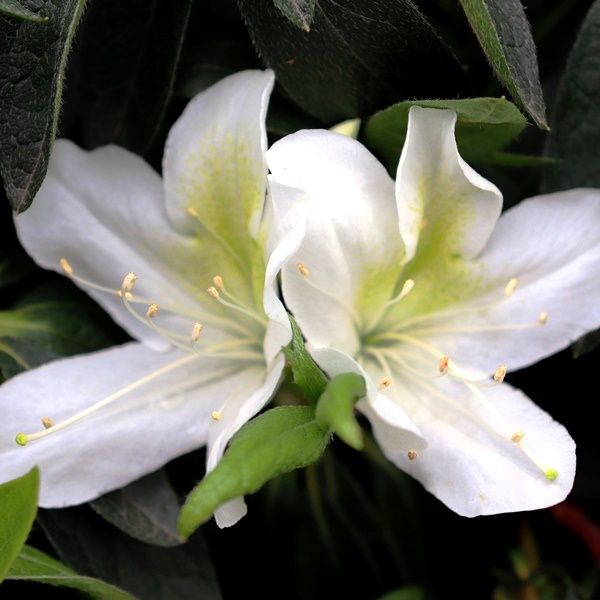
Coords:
pixel 301 298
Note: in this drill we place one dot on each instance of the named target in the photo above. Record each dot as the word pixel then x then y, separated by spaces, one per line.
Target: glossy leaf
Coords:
pixel 18 506
pixel 357 57
pixel 32 71
pixel 575 135
pixel 146 510
pixel 484 127
pixel 33 565
pixel 306 373
pixel 280 440
pixel 336 407
pixel 504 34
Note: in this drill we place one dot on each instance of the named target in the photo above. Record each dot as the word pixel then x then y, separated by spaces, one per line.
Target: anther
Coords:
pixel 517 436
pixel 303 269
pixel 215 415
pixel 409 284
pixel 152 310
pixel 192 212
pixel 385 382
pixel 500 373
pixel 218 281
pixel 21 439
pixel 443 365
pixel 511 286
pixel 543 318
pixel 47 422
pixel 212 291
pixel 411 455
pixel 197 331
pixel 128 282
pixel 65 265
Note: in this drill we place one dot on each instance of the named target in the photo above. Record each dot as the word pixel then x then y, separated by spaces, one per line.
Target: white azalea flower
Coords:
pixel 425 290
pixel 201 305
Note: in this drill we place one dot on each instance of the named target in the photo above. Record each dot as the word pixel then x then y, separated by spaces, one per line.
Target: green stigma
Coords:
pixel 551 474
pixel 21 439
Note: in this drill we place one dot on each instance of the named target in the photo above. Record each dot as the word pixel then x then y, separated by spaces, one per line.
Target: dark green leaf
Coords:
pixel 18 505
pixel 505 36
pixel 357 58
pixel 299 12
pixel 278 441
pixel 335 409
pixel 146 509
pixel 13 268
pixel 575 135
pixel 129 80
pixel 307 374
pixel 484 126
pixel 405 593
pixel 33 565
pixel 13 8
pixel 87 544
pixel 32 71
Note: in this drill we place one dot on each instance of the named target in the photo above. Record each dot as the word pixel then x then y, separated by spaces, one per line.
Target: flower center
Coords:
pixel 240 333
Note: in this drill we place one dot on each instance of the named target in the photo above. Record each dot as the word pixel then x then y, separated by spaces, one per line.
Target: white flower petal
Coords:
pixel 214 157
pixel 130 437
pixel 351 249
pixel 442 201
pixel 389 421
pixel 476 471
pixel 235 412
pixel 551 244
pixel 104 212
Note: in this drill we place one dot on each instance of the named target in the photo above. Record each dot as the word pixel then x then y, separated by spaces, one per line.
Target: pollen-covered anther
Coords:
pixel 128 282
pixel 65 265
pixel 215 415
pixel 411 454
pixel 218 281
pixel 444 365
pixel 303 269
pixel 152 310
pixel 517 436
pixel 543 318
pixel 213 292
pixel 511 286
pixel 47 422
pixel 500 373
pixel 197 331
pixel 385 382
pixel 192 212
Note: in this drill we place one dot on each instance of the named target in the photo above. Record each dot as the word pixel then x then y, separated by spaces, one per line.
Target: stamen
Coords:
pixel 517 436
pixel 196 331
pixel 218 281
pixel 385 382
pixel 215 415
pixel 192 212
pixel 303 269
pixel 236 303
pixel 212 291
pixel 47 422
pixel 511 286
pixel 128 282
pixel 500 373
pixel 543 318
pixel 65 265
pixel 23 438
pixel 407 287
pixel 152 310
pixel 412 454
pixel 443 365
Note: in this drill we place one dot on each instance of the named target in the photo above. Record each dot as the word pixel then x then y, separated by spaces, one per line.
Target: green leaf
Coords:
pixel 13 268
pixel 128 81
pixel 92 547
pixel 504 34
pixel 335 409
pixel 575 135
pixel 33 565
pixel 18 506
pixel 13 8
pixel 280 440
pixel 305 371
pixel 484 126
pixel 357 57
pixel 146 510
pixel 32 71
pixel 299 12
